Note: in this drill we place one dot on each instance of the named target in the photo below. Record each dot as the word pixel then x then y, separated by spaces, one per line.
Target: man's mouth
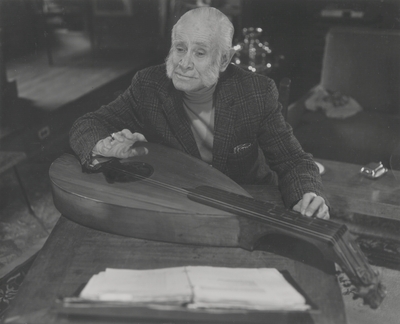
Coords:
pixel 184 77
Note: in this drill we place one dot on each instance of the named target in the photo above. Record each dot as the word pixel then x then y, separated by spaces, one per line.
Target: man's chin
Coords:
pixel 186 85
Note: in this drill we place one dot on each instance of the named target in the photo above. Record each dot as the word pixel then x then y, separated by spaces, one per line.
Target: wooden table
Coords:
pixel 73 253
pixel 349 191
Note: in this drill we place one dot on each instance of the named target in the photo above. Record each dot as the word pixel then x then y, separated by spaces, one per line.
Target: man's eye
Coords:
pixel 180 49
pixel 201 54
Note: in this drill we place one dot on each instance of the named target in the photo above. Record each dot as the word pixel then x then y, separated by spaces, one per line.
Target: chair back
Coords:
pixel 364 63
pixel 284 92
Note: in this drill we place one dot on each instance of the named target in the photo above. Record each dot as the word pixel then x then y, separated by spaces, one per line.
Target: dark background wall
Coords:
pixel 294 28
pixel 297 30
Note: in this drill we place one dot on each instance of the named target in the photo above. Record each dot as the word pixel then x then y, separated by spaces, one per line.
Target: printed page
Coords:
pixel 257 289
pixel 198 287
pixel 168 285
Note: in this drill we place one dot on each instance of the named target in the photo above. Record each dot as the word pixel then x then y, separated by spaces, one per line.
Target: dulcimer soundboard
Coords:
pixel 167 195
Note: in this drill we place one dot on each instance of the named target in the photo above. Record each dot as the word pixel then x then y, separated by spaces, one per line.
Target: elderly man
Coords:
pixel 201 104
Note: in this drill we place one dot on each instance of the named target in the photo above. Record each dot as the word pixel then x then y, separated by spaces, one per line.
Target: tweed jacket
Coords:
pixel 251 137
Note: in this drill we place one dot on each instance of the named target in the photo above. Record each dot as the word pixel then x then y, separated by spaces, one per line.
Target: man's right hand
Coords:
pixel 119 145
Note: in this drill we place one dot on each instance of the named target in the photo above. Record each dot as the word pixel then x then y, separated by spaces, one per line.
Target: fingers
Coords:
pixel 106 143
pixel 118 136
pixel 127 134
pixel 138 151
pixel 297 207
pixel 305 203
pixel 137 137
pixel 121 150
pixel 102 146
pixel 119 145
pixel 323 212
pixel 312 205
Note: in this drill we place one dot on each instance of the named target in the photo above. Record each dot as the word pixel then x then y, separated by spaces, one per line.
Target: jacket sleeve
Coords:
pixel 123 112
pixel 297 172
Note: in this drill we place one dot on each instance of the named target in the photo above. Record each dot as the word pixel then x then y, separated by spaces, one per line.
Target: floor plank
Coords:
pixel 74 74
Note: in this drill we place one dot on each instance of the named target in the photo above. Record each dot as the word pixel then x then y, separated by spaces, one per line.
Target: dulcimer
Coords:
pixel 167 195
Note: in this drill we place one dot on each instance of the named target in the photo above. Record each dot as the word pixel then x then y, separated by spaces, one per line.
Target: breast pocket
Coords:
pixel 242 160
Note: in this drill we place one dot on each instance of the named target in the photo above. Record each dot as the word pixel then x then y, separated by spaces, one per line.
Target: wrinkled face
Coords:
pixel 193 61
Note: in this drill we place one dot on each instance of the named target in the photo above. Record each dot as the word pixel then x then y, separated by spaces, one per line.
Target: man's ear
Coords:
pixel 226 59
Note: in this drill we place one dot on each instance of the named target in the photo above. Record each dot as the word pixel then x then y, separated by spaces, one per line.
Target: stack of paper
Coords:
pixel 168 285
pixel 260 289
pixel 197 287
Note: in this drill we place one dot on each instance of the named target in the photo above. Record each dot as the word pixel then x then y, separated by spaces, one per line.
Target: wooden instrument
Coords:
pixel 169 196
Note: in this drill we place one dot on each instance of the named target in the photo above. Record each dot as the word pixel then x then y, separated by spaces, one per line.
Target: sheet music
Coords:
pixel 260 289
pixel 157 285
pixel 197 287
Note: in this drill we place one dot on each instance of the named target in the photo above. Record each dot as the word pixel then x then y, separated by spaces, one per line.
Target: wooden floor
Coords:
pixel 75 72
pixel 50 97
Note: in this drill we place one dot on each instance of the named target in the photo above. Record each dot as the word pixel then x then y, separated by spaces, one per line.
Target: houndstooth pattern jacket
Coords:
pixel 251 137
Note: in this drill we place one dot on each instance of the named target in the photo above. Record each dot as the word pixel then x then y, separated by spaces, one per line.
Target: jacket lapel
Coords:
pixel 225 114
pixel 175 115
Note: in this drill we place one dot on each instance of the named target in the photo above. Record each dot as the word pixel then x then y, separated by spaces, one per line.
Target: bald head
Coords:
pixel 201 49
pixel 220 26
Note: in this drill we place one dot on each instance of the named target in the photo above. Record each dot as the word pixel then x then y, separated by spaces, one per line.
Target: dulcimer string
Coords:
pixel 305 225
pixel 308 223
pixel 256 211
pixel 347 255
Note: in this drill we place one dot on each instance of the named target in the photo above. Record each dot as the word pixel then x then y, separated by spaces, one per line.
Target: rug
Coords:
pixel 10 283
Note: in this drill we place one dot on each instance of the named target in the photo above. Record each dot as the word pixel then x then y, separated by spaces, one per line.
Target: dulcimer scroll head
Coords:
pixel 372 293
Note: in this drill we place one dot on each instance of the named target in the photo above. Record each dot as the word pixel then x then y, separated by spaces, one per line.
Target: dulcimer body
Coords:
pixel 145 210
pixel 167 195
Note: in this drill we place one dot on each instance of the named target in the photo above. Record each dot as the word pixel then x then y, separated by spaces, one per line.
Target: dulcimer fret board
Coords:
pixel 266 212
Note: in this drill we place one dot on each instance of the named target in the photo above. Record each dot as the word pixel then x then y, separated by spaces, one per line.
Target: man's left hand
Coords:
pixel 312 205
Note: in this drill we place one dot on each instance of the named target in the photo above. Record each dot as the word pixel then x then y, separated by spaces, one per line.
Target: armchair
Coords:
pixel 364 64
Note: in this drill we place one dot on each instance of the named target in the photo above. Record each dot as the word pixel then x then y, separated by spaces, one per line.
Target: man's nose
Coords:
pixel 186 62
